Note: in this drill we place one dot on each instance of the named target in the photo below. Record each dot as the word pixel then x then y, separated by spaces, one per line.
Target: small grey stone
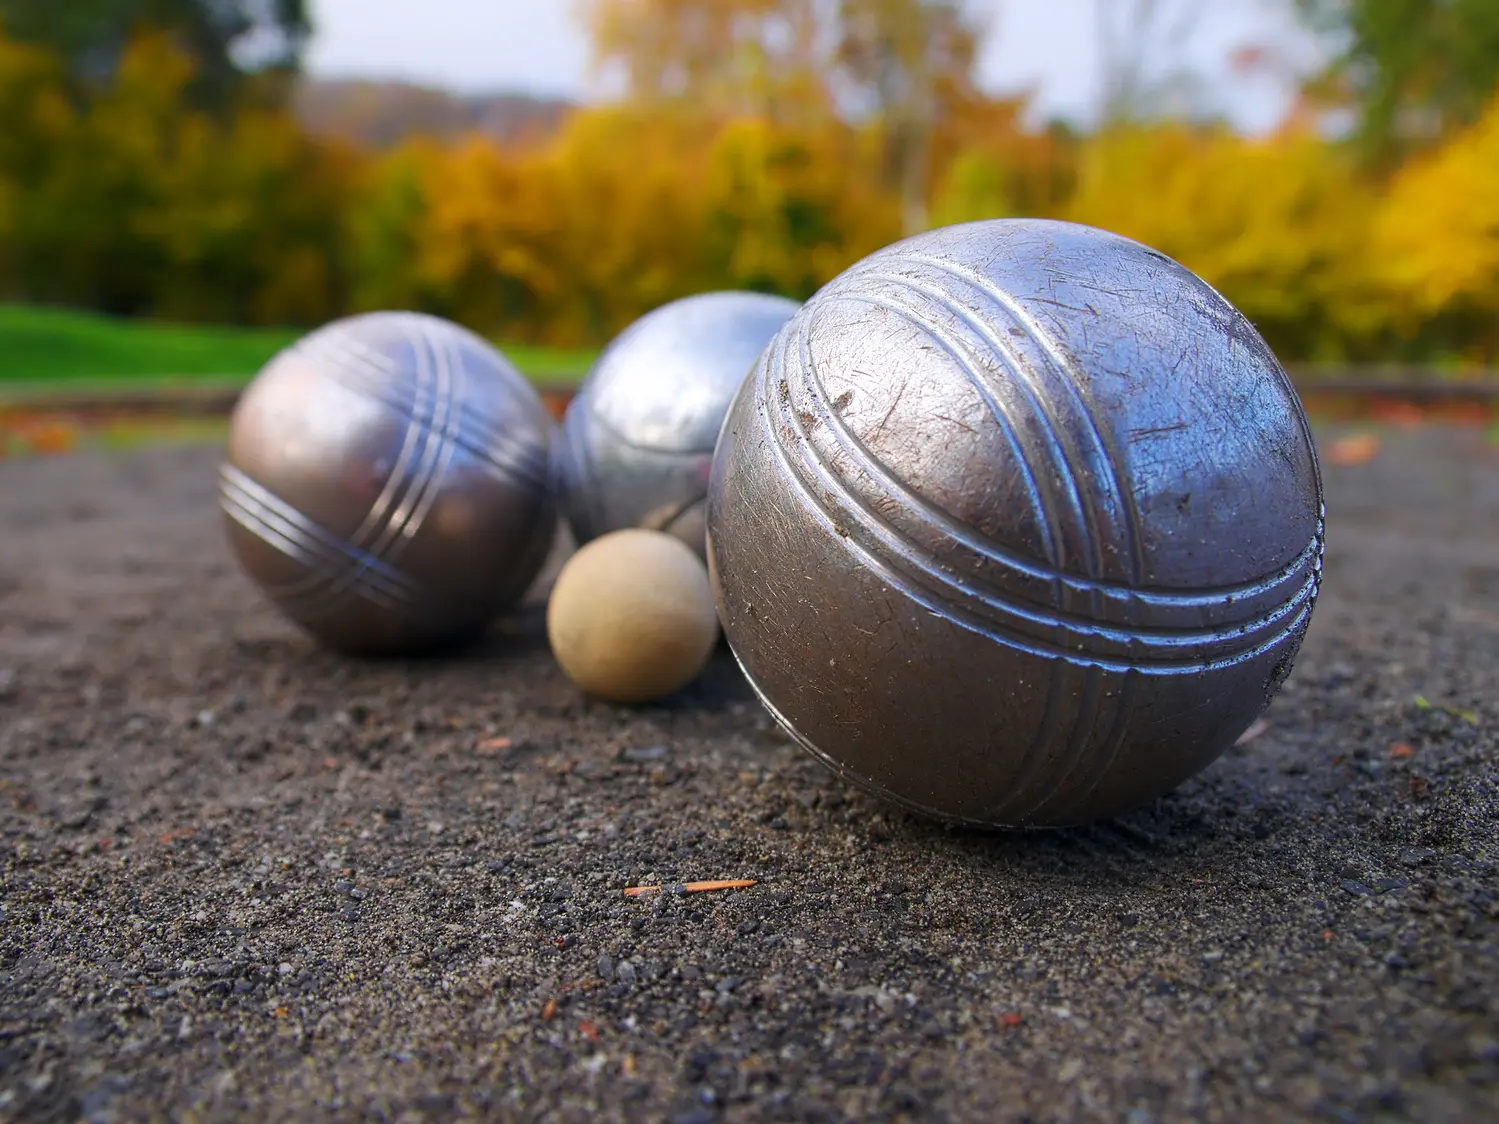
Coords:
pixel 625 972
pixel 606 966
pixel 645 753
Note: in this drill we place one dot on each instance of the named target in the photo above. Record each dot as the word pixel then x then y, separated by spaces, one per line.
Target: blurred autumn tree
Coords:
pixel 720 57
pixel 895 66
pixel 133 202
pixel 1279 225
pixel 756 144
pixel 1410 71
pixel 237 47
pixel 1436 245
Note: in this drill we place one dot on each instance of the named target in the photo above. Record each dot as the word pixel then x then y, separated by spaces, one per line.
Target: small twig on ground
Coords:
pixel 692 887
pixel 1256 728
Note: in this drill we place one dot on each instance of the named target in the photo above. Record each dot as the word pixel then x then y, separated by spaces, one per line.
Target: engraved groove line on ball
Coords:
pixel 1048 619
pixel 349 361
pixel 512 455
pixel 1103 762
pixel 280 525
pixel 925 512
pixel 961 616
pixel 866 462
pixel 1079 761
pixel 892 540
pixel 1048 769
pixel 1041 751
pixel 1071 383
pixel 1048 429
pixel 321 592
pixel 846 772
pixel 399 510
pixel 1049 729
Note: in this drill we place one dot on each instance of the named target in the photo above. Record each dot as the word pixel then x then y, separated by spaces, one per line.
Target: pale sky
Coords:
pixel 534 46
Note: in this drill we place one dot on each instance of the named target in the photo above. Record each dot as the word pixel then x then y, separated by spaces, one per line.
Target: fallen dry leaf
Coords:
pixel 1400 749
pixel 491 746
pixel 1352 451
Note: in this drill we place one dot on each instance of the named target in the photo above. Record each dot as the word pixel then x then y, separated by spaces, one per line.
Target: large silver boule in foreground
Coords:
pixel 1017 523
pixel 386 483
pixel 637 441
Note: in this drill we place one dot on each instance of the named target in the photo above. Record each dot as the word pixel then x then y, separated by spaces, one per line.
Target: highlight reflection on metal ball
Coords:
pixel 637 441
pixel 1017 523
pixel 386 483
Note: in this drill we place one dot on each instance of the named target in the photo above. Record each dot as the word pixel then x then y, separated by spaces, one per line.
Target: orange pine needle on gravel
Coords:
pixel 693 887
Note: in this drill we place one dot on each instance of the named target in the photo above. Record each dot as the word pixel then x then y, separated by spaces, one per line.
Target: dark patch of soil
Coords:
pixel 243 878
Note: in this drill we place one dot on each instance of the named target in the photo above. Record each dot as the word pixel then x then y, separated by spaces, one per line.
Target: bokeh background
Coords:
pixel 185 185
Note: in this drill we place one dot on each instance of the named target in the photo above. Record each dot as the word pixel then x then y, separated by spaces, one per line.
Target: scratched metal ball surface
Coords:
pixel 637 441
pixel 385 483
pixel 1016 523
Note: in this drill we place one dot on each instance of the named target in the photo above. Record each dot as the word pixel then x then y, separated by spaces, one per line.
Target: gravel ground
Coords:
pixel 246 878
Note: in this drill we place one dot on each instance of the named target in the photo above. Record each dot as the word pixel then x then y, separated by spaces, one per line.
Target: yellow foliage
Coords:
pixel 125 198
pixel 789 208
pixel 382 229
pixel 972 188
pixel 1278 225
pixel 1436 237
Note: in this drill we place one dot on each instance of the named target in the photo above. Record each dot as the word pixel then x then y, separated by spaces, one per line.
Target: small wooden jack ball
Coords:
pixel 631 618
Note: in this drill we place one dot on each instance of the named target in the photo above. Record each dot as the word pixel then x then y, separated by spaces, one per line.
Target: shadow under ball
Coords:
pixel 637 440
pixel 1016 523
pixel 386 485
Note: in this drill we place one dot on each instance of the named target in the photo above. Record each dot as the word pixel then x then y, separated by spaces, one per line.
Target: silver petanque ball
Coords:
pixel 386 483
pixel 1016 523
pixel 637 441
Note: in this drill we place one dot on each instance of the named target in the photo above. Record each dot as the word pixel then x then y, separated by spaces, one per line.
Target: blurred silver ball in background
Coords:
pixel 1016 523
pixel 637 440
pixel 386 483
